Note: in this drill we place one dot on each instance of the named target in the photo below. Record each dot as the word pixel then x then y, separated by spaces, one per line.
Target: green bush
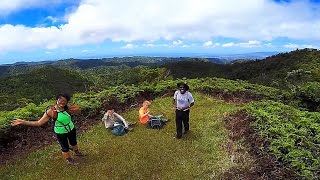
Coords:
pixel 309 96
pixel 293 134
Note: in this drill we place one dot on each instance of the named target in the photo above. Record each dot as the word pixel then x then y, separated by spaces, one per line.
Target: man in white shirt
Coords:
pixel 183 100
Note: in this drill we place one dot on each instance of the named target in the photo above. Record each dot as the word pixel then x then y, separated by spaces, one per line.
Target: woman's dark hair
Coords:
pixel 65 95
pixel 182 84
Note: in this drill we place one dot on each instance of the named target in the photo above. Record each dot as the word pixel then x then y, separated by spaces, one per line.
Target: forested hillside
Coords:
pixel 297 71
pixel 38 86
pixel 87 64
pixel 293 67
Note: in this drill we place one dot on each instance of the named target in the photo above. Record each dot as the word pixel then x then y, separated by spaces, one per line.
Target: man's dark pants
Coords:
pixel 182 118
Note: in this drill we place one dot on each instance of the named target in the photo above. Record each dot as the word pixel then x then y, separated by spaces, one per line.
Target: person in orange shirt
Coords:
pixel 144 113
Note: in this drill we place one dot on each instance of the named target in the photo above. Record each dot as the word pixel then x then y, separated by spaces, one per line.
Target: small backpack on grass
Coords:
pixel 156 122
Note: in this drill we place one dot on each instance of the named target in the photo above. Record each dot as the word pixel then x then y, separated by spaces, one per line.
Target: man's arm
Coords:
pixel 122 119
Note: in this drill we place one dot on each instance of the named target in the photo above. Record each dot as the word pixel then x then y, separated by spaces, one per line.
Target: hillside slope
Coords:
pixel 300 65
pixel 38 85
pixel 142 153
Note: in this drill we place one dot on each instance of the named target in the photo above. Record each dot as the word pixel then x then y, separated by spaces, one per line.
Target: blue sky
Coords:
pixel 37 30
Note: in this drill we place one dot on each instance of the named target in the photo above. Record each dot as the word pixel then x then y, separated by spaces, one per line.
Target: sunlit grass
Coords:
pixel 142 153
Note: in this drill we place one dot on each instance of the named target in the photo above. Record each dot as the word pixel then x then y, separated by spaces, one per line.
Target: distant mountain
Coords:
pixel 300 66
pixel 23 79
pixel 131 61
pixel 82 64
pixel 250 56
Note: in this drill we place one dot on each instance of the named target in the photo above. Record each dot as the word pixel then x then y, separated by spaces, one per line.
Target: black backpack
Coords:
pixel 155 122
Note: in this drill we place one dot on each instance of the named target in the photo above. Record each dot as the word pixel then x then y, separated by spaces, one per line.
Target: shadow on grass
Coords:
pixel 191 135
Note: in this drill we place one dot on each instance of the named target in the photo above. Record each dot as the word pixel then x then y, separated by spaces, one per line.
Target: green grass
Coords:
pixel 142 153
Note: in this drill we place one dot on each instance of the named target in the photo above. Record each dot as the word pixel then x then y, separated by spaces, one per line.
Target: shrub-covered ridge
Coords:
pixel 293 135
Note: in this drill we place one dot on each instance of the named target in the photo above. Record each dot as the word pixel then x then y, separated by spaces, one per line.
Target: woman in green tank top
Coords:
pixel 63 125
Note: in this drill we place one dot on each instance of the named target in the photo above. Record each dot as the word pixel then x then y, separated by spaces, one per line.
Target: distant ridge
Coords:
pixel 225 57
pixel 271 71
pixel 253 55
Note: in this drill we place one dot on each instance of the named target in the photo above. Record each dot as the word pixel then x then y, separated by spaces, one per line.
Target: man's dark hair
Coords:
pixel 182 84
pixel 108 107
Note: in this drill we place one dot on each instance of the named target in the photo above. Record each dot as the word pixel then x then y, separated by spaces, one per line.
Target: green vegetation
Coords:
pixel 223 87
pixel 308 95
pixel 31 112
pixel 142 153
pixel 93 101
pixel 116 76
pixel 38 86
pixel 280 71
pixel 294 135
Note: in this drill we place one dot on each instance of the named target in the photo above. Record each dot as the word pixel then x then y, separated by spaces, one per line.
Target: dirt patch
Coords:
pixel 21 140
pixel 264 166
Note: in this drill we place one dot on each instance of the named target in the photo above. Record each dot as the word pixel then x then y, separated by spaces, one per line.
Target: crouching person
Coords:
pixel 118 125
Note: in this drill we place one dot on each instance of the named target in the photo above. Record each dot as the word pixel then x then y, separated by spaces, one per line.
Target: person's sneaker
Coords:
pixel 165 120
pixel 71 161
pixel 131 123
pixel 79 154
pixel 130 129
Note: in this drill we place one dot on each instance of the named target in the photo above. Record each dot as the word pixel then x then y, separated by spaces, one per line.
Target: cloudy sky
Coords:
pixel 34 30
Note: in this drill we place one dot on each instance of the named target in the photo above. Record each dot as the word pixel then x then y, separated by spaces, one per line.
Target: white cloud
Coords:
pixel 153 45
pixel 149 45
pixel 268 45
pixel 177 43
pixel 231 44
pixel 130 46
pixel 52 19
pixel 291 46
pixel 85 51
pixel 208 43
pixel 299 46
pixel 96 21
pixel 22 38
pixel 249 44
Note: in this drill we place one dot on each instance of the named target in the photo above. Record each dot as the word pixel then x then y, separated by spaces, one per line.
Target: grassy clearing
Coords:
pixel 142 153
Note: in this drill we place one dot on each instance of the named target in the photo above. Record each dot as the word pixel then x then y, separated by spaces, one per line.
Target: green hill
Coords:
pixel 38 85
pixel 300 65
pixel 297 71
